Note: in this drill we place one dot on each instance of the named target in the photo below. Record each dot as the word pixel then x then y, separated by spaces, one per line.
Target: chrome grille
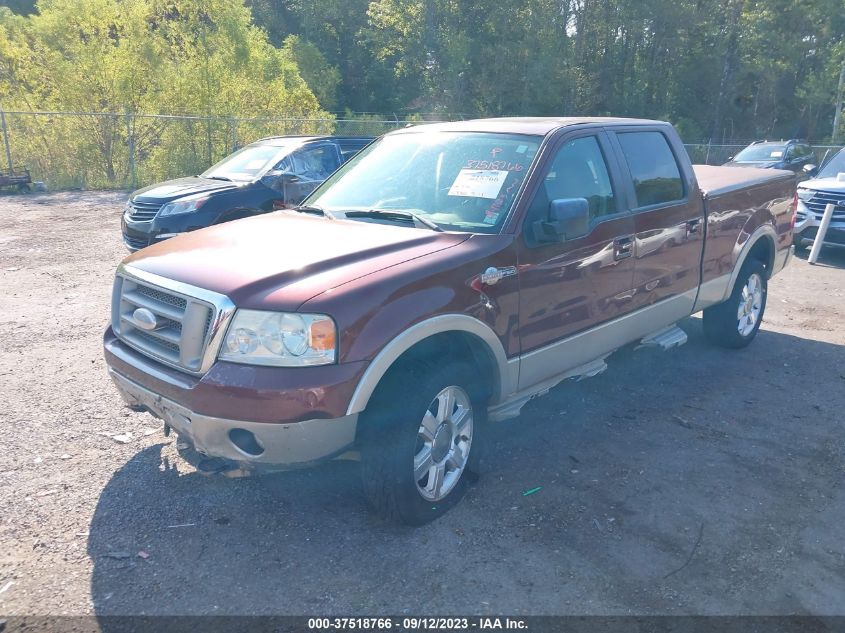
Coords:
pixel 180 332
pixel 158 295
pixel 820 199
pixel 142 211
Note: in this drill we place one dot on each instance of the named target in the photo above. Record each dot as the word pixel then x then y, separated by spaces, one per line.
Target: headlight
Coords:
pixel 285 339
pixel 805 194
pixel 178 207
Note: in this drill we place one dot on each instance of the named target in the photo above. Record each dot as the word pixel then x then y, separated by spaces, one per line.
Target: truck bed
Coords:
pixel 717 181
pixel 738 201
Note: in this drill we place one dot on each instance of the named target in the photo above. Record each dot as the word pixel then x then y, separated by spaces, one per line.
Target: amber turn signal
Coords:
pixel 323 336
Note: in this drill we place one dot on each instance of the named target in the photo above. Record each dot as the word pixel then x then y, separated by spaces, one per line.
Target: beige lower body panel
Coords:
pixel 559 358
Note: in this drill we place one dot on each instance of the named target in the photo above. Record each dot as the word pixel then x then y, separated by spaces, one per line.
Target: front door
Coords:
pixel 574 284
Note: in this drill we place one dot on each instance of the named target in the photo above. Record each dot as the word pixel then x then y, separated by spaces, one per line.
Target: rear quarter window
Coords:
pixel 653 167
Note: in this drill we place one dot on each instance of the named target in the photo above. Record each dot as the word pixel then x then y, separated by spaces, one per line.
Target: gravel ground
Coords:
pixel 698 481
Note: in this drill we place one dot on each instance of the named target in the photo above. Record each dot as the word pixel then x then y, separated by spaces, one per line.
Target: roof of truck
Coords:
pixel 292 139
pixel 537 126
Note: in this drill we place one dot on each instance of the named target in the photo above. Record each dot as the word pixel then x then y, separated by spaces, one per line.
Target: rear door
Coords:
pixel 668 218
pixel 570 286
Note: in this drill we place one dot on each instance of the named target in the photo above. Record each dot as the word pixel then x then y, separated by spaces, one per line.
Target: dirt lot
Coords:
pixel 699 481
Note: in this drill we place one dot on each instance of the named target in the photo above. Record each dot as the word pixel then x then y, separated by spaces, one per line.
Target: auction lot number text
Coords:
pixel 417 624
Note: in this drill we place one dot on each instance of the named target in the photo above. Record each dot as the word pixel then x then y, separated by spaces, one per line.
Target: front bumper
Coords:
pixel 271 395
pixel 138 235
pixel 280 445
pixel 806 228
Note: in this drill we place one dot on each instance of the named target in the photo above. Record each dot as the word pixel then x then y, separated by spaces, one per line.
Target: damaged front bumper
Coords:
pixel 251 445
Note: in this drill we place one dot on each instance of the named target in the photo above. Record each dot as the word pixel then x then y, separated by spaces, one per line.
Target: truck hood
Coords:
pixel 280 260
pixel 180 187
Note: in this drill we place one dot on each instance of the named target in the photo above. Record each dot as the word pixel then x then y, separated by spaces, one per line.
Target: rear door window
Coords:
pixel 653 167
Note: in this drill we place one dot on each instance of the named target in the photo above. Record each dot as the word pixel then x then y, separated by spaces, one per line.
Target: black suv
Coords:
pixel 273 173
pixel 792 155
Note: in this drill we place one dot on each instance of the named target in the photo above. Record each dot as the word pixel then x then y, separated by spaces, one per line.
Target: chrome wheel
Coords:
pixel 443 443
pixel 750 305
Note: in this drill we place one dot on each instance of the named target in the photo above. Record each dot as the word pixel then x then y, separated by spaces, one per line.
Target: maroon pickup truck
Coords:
pixel 435 283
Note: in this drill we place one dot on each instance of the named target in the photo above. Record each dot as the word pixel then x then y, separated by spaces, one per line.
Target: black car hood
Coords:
pixel 181 187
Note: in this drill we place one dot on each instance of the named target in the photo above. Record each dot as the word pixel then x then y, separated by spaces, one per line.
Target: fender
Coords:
pixel 718 290
pixel 236 214
pixel 508 370
pixel 764 232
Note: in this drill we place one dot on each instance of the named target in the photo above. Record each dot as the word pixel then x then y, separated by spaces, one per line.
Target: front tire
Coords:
pixel 420 441
pixel 735 323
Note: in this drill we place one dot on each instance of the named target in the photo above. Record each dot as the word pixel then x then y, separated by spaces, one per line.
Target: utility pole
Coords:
pixel 834 138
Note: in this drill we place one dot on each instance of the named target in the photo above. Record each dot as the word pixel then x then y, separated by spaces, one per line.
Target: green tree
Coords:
pixel 322 77
pixel 146 56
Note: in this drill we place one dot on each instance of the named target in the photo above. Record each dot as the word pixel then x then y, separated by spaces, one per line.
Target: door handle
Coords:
pixel 623 247
pixel 693 226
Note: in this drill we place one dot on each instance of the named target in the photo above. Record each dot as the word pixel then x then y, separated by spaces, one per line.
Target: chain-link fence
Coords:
pixel 125 151
pixel 112 150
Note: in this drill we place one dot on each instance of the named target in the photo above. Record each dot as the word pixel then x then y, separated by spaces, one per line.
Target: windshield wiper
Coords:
pixel 394 214
pixel 216 178
pixel 315 210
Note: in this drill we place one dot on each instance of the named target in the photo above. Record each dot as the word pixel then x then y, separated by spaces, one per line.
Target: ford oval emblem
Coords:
pixel 144 319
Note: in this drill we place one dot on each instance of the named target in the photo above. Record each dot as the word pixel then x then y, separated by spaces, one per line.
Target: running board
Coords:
pixel 512 407
pixel 665 339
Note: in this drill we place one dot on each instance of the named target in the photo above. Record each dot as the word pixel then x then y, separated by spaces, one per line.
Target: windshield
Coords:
pixel 246 164
pixel 761 153
pixel 463 181
pixel 834 166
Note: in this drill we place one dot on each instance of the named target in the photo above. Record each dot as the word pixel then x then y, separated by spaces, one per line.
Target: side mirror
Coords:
pixel 569 218
pixel 275 176
pixel 810 170
pixel 730 158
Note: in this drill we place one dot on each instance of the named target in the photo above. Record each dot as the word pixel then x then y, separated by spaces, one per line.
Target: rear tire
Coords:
pixel 735 322
pixel 420 441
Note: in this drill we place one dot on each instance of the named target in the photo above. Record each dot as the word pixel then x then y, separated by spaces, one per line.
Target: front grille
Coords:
pixel 179 335
pixel 142 211
pixel 820 199
pixel 135 243
pixel 164 297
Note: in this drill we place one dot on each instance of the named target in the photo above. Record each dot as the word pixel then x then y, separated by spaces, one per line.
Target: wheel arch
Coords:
pixel 761 245
pixel 474 337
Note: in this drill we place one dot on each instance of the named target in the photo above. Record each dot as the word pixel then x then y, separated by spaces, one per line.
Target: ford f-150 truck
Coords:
pixel 435 283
